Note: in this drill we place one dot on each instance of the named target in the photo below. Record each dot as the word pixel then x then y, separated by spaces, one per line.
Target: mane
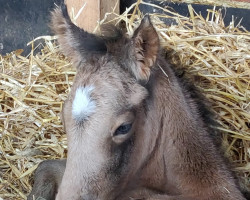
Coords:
pixel 202 103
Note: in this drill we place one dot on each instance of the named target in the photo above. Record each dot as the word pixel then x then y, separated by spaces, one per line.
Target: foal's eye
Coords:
pixel 123 129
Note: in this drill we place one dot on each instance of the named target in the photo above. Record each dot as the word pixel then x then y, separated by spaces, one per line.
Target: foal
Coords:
pixel 133 130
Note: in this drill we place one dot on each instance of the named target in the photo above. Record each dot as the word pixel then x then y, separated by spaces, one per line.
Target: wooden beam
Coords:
pixel 93 11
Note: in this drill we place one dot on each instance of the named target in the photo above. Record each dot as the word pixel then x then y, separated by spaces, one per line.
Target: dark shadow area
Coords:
pixel 21 21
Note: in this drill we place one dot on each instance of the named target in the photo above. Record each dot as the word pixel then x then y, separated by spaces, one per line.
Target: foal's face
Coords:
pixel 101 111
pixel 100 114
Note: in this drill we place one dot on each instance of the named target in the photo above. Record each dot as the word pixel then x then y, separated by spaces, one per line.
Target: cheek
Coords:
pixel 120 156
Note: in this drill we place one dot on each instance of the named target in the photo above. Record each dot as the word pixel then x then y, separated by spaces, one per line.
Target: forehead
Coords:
pixel 107 84
pixel 83 105
pixel 92 89
pixel 104 76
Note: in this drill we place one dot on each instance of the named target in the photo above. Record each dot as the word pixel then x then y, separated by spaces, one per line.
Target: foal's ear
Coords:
pixel 74 41
pixel 145 47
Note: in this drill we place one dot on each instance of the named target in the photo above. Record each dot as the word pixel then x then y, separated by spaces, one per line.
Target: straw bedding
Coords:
pixel 33 88
pixel 226 3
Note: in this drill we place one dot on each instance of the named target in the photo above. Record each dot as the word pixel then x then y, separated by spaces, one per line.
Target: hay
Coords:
pixel 225 3
pixel 33 89
pixel 32 93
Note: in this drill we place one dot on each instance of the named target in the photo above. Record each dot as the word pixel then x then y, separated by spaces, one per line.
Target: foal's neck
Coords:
pixel 169 109
pixel 165 114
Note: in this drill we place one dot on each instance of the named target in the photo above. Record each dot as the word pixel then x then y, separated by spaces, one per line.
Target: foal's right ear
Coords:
pixel 74 41
pixel 143 50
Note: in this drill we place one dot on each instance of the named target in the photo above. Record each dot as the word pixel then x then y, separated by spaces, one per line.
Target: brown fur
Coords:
pixel 168 153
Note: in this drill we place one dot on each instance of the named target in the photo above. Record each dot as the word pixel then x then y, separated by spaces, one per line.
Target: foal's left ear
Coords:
pixel 145 47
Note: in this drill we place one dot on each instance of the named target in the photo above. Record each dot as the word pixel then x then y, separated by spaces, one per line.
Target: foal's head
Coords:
pixel 101 110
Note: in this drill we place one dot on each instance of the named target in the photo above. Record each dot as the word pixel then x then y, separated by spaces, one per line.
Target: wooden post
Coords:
pixel 93 11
